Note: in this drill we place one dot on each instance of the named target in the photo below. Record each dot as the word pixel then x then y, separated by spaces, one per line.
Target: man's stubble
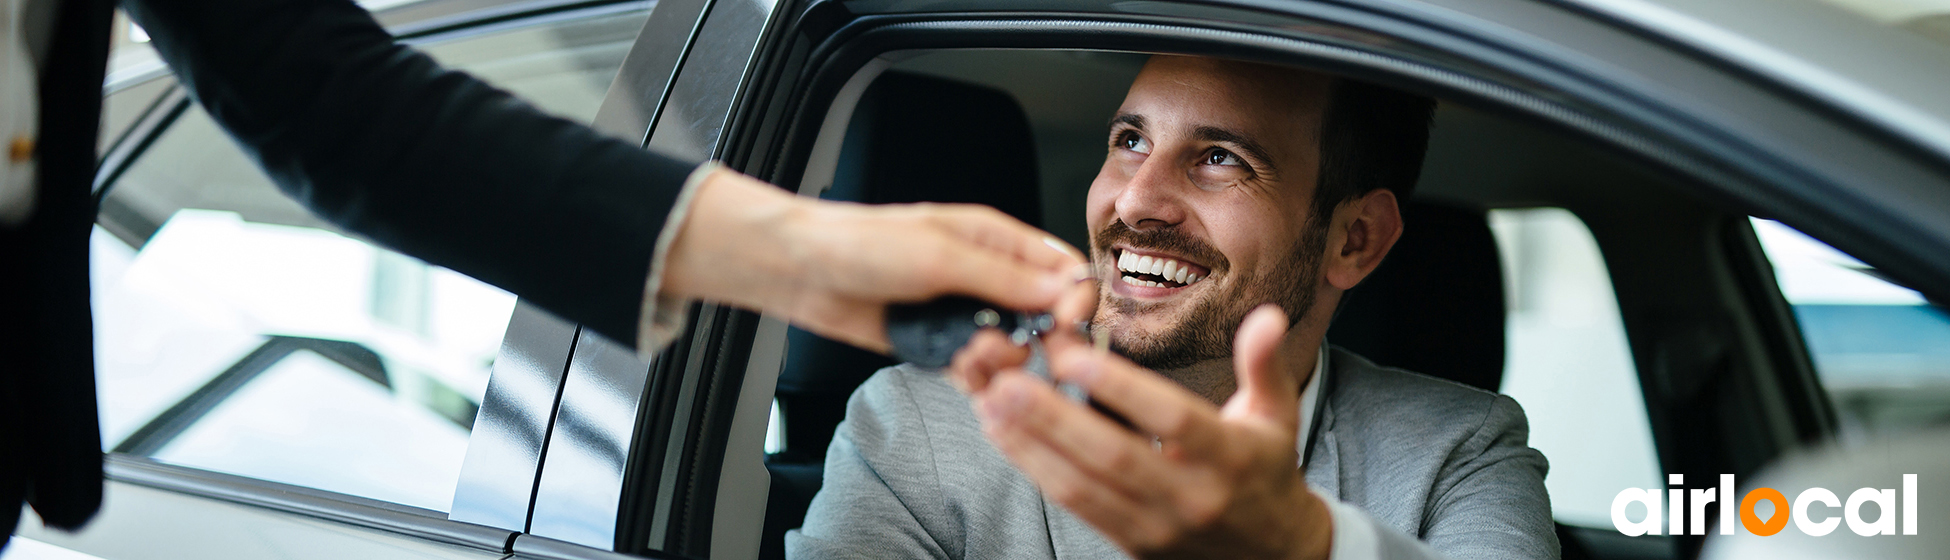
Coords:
pixel 1205 335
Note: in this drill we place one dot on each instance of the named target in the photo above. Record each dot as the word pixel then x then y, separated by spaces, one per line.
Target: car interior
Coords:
pixel 1022 130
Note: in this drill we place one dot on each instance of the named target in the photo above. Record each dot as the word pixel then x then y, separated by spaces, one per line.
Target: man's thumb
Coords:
pixel 1266 388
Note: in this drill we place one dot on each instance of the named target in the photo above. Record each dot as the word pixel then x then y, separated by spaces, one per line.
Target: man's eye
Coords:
pixel 1222 157
pixel 1133 142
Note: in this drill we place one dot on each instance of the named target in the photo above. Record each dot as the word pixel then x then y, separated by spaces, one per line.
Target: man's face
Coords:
pixel 1210 175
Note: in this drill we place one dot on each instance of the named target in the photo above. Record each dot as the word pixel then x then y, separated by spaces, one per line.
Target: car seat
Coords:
pixel 1435 305
pixel 912 138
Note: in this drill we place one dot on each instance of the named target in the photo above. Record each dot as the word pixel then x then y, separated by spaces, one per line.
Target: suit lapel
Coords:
pixel 1324 473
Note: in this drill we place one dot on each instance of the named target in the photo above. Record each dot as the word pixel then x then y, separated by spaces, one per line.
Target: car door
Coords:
pixel 272 386
pixel 635 457
pixel 1729 141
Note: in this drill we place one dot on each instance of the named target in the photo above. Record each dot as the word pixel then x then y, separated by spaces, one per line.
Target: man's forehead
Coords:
pixel 1224 90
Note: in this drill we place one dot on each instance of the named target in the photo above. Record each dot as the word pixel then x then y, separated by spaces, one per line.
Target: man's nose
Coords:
pixel 1154 197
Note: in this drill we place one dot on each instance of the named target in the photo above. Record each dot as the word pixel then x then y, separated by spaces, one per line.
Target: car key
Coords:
pixel 928 334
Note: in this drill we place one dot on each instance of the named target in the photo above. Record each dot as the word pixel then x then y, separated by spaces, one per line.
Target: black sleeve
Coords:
pixel 50 438
pixel 380 140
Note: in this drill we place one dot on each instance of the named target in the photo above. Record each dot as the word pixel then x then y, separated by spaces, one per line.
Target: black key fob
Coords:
pixel 928 334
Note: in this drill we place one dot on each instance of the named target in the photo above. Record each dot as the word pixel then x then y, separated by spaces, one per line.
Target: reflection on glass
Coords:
pixel 210 290
pixel 314 422
pixel 1929 19
pixel 237 332
pixel 1569 366
pixel 1881 351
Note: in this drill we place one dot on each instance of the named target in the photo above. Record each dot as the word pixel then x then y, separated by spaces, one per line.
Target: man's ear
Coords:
pixel 1363 231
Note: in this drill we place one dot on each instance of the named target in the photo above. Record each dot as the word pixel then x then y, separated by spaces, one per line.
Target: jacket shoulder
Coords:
pixel 1390 407
pixel 1369 388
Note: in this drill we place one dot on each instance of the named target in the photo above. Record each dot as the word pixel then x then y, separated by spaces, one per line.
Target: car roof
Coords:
pixel 1881 74
pixel 404 18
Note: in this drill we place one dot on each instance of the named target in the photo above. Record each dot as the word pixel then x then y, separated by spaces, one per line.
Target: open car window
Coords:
pixel 1562 350
pixel 238 333
pixel 1881 351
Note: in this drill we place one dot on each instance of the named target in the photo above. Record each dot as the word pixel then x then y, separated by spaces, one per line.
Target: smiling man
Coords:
pixel 1233 197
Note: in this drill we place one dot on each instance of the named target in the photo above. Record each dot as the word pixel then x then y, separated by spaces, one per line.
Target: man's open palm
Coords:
pixel 1192 479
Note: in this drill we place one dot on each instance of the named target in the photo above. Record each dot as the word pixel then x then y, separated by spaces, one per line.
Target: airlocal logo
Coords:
pixel 1801 511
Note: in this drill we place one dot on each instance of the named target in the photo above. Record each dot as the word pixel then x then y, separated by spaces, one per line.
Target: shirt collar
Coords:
pixel 1309 398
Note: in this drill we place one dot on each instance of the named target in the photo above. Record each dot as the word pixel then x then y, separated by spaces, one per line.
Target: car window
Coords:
pixel 236 332
pixel 1880 350
pixel 1569 365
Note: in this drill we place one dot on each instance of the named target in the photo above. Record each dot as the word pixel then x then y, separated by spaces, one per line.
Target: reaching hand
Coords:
pixel 1217 482
pixel 833 267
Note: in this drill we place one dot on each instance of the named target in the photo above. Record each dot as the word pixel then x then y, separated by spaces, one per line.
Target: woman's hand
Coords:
pixel 832 267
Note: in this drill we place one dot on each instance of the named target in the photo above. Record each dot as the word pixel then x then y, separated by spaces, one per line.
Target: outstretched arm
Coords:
pixel 380 140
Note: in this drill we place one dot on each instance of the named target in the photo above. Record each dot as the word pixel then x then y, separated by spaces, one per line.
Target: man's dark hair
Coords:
pixel 1371 137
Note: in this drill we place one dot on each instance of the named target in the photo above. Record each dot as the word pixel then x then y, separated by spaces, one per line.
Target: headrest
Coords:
pixel 917 138
pixel 1435 306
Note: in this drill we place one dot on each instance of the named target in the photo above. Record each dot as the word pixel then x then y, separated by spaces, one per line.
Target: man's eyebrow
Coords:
pixel 1133 120
pixel 1216 134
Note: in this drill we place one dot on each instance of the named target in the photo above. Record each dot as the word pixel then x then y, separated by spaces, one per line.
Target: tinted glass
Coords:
pixel 236 332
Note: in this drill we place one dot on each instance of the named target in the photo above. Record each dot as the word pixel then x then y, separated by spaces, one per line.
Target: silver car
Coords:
pixel 1688 237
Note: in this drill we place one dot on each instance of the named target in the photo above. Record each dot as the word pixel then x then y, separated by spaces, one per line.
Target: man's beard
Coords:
pixel 1207 329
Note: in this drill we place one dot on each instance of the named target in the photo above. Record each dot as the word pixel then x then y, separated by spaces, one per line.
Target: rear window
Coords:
pixel 1569 364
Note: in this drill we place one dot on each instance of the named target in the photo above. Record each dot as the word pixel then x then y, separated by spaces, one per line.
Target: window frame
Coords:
pixel 490 508
pixel 669 420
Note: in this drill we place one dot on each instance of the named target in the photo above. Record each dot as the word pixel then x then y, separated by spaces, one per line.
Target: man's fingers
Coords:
pixel 1062 479
pixel 1109 511
pixel 1156 405
pixel 1268 389
pixel 1079 303
pixel 987 354
pixel 1101 449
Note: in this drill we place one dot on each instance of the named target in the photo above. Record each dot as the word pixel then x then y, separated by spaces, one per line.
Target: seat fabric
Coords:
pixel 1435 305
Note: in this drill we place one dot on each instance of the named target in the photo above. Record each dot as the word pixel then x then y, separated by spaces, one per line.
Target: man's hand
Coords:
pixel 1218 482
pixel 832 267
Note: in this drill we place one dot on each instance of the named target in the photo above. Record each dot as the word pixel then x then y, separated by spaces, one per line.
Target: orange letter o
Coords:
pixel 1773 524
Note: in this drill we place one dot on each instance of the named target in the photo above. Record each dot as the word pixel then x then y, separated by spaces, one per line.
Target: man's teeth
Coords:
pixel 1162 267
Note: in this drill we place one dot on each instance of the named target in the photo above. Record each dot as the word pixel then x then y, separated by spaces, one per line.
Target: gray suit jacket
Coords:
pixel 909 474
